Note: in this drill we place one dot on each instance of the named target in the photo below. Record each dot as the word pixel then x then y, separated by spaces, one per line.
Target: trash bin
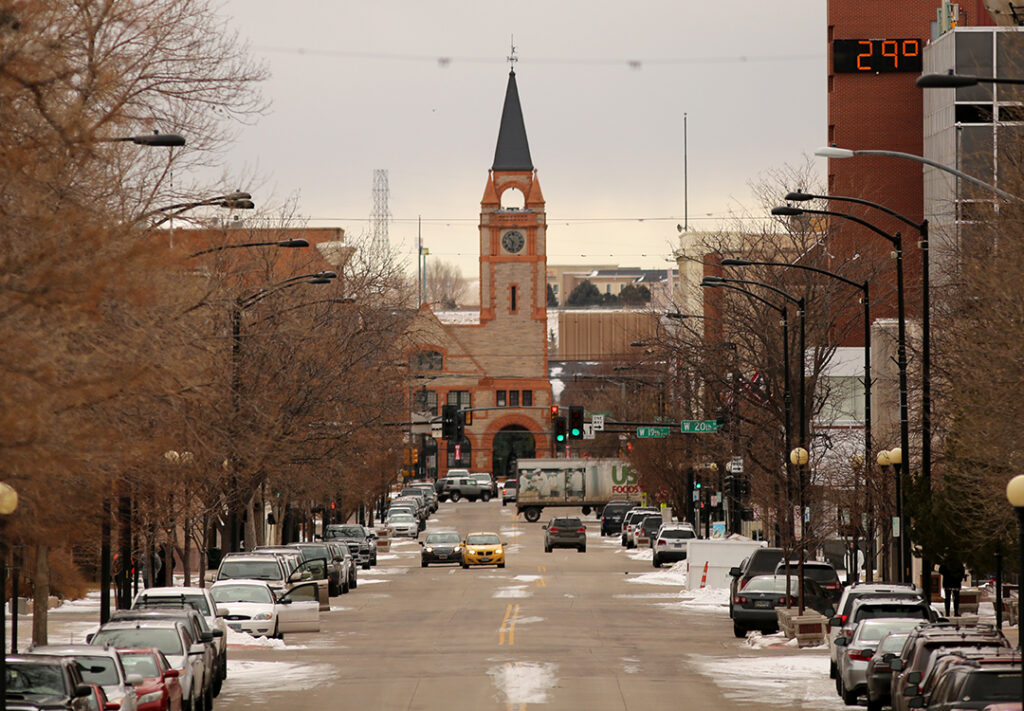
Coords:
pixel 213 557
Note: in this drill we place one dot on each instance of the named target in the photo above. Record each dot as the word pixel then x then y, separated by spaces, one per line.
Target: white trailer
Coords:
pixel 585 483
pixel 719 556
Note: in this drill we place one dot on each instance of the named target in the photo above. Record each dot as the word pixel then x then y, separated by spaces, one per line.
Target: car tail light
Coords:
pixel 858 655
pixel 662 542
pixel 743 583
pixel 739 600
pixel 843 619
pixel 581 529
pixel 552 530
pixel 792 600
pixel 834 586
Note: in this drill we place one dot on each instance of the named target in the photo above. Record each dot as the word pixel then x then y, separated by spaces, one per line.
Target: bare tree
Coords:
pixel 445 284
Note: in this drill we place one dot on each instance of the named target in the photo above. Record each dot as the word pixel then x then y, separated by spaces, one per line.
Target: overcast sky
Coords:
pixel 416 87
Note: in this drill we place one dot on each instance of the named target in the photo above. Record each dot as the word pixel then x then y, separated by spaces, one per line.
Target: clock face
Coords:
pixel 513 241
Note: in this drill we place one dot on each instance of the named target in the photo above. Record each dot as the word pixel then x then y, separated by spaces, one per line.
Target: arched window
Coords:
pixel 426 360
pixel 513 199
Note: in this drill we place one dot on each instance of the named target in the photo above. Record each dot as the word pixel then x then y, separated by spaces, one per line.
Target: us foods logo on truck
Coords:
pixel 624 480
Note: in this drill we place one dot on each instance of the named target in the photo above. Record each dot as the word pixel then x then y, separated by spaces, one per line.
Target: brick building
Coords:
pixel 495 363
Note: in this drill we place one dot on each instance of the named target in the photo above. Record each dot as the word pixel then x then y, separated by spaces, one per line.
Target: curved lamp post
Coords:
pixel 8 504
pixel 1015 495
pixel 235 201
pixel 787 397
pixel 292 243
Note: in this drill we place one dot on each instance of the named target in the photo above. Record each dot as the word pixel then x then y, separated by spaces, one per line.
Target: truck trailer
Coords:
pixel 582 483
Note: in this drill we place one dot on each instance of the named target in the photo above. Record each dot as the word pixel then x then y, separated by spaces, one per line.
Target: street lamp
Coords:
pixel 8 504
pixel 234 201
pixel 1015 495
pixel 950 80
pixel 799 458
pixel 292 243
pixel 148 139
pixel 901 339
pixel 714 282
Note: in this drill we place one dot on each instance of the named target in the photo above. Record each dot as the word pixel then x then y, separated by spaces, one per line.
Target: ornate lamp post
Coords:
pixel 8 504
pixel 1015 495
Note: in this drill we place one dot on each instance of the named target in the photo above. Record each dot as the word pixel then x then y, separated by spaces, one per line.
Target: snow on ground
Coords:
pixel 386 556
pixel 645 554
pixel 381 571
pixel 527 578
pixel 523 683
pixel 528 620
pixel 702 600
pixel 244 639
pixel 760 640
pixel 676 575
pixel 248 676
pixel 789 681
pixel 510 532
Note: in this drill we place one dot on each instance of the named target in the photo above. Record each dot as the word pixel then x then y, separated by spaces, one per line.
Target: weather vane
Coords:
pixel 512 58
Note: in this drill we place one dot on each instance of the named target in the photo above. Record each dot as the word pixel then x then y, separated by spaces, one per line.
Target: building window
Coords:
pixel 527 398
pixel 499 399
pixel 426 360
pixel 463 399
pixel 513 398
pixel 424 400
pixel 513 305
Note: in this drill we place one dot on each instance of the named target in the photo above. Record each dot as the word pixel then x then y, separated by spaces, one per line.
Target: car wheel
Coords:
pixel 849 697
pixel 485 497
pixel 839 685
pixel 503 502
pixel 208 699
pixel 501 565
pixel 738 631
pixel 547 549
pixel 629 545
pixel 465 566
pixel 332 590
pixel 874 705
pixel 344 588
pixel 218 682
pixel 186 704
pixel 423 564
pixel 657 562
pixel 582 549
pixel 366 565
pixel 833 672
pixel 456 496
pixel 354 583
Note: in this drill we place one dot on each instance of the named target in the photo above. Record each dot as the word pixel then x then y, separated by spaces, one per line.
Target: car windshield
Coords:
pixel 196 601
pixel 874 632
pixel 892 643
pixel 438 538
pixel 45 679
pixel 678 533
pixel 314 551
pixel 566 523
pixel 143 664
pixel 874 612
pixel 344 532
pixel 402 518
pixel 817 573
pixel 483 539
pixel 241 593
pixel 98 670
pixel 250 569
pixel 163 638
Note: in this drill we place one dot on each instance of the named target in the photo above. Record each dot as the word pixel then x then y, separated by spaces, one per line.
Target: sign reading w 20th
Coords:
pixel 692 426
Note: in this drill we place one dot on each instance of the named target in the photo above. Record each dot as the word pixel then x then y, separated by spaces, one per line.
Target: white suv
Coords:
pixel 670 542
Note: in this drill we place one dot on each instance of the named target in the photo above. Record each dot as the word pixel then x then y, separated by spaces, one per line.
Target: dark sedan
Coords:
pixel 753 608
pixel 441 547
pixel 878 674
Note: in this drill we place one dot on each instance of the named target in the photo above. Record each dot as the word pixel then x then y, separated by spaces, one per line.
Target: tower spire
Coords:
pixel 513 150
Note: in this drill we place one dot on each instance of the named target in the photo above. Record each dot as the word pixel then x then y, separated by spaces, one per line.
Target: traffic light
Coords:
pixel 449 413
pixel 460 426
pixel 575 422
pixel 560 430
pixel 554 412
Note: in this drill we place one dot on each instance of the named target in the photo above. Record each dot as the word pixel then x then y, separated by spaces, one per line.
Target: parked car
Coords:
pixel 197 627
pixel 252 607
pixel 922 643
pixel 160 689
pixel 970 684
pixel 669 543
pixel 426 489
pixel 508 491
pixel 565 532
pixel 632 518
pixel 98 701
pixel 760 562
pixel 646 530
pixel 345 563
pixel 855 653
pixel 754 606
pixel 483 548
pixel 365 548
pixel 99 666
pixel 204 604
pixel 857 591
pixel 455 488
pixel 612 515
pixel 253 566
pixel 820 572
pixel 944 660
pixel 173 639
pixel 878 674
pixel 41 681
pixel 441 547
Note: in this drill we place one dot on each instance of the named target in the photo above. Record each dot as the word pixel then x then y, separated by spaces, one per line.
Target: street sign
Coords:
pixel 736 465
pixel 692 426
pixel 588 431
pixel 649 432
pixel 597 422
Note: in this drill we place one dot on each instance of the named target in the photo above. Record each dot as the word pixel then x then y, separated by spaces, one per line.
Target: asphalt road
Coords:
pixel 560 630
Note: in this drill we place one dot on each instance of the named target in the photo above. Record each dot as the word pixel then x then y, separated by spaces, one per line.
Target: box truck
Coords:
pixel 584 483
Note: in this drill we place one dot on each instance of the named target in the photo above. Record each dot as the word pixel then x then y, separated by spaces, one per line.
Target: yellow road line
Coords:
pixel 539 582
pixel 542 569
pixel 508 625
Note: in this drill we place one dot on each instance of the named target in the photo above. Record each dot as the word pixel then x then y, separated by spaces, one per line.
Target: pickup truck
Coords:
pixel 463 487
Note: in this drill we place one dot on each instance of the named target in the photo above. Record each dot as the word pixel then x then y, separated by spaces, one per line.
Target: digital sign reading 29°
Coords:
pixel 862 56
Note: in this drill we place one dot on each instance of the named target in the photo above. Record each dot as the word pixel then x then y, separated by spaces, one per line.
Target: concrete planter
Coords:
pixel 809 629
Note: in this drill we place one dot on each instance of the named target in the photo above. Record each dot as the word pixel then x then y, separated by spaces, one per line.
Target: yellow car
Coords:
pixel 483 549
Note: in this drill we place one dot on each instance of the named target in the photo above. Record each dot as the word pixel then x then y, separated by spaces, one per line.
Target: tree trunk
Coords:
pixel 186 549
pixel 41 595
pixel 250 521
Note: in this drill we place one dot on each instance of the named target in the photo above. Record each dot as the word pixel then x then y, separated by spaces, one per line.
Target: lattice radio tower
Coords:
pixel 381 216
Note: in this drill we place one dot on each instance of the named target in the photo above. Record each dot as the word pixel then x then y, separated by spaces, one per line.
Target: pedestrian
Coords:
pixel 952 572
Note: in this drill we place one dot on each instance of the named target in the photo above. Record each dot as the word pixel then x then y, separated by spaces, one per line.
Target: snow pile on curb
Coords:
pixel 676 575
pixel 790 681
pixel 244 639
pixel 760 640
